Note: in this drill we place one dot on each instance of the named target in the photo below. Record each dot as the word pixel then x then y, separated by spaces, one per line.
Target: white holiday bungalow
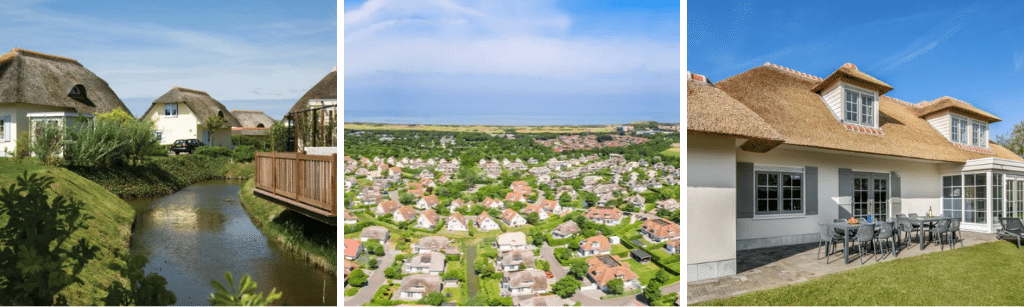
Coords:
pixel 772 152
pixel 37 87
pixel 181 113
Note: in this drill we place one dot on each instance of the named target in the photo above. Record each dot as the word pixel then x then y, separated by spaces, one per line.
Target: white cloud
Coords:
pixel 526 38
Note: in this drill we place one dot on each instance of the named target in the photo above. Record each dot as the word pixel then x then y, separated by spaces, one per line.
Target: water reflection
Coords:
pixel 195 235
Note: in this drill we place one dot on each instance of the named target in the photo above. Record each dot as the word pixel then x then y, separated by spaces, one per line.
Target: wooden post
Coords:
pixel 273 173
pixel 300 175
pixel 334 183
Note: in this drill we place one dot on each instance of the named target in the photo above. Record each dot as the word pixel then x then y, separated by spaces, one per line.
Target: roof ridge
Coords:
pixel 900 101
pixel 41 55
pixel 190 90
pixel 795 72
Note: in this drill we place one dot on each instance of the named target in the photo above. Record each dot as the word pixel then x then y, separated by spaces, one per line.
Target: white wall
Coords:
pixel 940 121
pixel 920 182
pixel 183 126
pixel 19 122
pixel 710 199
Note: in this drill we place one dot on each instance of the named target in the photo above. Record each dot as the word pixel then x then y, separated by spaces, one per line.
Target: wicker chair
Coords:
pixel 865 233
pixel 941 229
pixel 1012 227
pixel 830 238
pixel 886 232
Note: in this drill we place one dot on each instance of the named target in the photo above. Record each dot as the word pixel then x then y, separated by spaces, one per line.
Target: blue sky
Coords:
pixel 569 62
pixel 973 51
pixel 254 55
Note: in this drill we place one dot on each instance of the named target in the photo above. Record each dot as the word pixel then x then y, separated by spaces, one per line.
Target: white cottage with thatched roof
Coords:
pixel 773 152
pixel 37 87
pixel 315 116
pixel 181 113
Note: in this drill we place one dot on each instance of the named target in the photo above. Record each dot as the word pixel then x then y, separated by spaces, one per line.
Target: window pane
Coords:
pixel 773 179
pixel 773 192
pixel 796 205
pixel 773 205
pixel 787 180
pixel 956 180
pixel 762 205
pixel 762 193
pixel 762 179
pixel 969 179
pixel 797 181
pixel 980 192
pixel 947 181
pixel 787 205
pixel 979 179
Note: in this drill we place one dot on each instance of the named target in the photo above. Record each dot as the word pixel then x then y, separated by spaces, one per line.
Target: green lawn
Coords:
pixel 621 251
pixel 490 286
pixel 984 274
pixel 646 271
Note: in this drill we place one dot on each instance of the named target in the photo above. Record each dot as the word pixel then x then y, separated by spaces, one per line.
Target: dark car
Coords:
pixel 187 145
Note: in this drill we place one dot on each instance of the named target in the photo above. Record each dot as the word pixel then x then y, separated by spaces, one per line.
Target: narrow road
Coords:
pixel 588 300
pixel 375 281
pixel 548 252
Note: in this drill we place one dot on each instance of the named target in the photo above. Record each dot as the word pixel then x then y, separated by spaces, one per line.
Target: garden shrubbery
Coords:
pixel 110 139
pixel 212 151
pixel 243 153
pixel 157 177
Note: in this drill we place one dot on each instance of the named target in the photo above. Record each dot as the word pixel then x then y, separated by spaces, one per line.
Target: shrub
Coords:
pixel 47 142
pixel 23 148
pixel 213 151
pixel 258 142
pixel 243 153
pixel 246 295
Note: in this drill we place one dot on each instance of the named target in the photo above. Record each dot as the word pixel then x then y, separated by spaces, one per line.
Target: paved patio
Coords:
pixel 772 267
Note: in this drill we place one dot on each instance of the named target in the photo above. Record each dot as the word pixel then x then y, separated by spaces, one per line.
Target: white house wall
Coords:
pixel 833 98
pixel 20 122
pixel 710 207
pixel 940 121
pixel 920 182
pixel 184 126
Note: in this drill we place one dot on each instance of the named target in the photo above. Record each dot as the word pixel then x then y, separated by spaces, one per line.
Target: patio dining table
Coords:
pixel 847 227
pixel 921 221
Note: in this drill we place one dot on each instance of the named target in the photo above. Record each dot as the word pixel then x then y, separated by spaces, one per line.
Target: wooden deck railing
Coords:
pixel 309 182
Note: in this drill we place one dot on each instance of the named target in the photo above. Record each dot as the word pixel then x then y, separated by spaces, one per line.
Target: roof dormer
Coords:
pixel 958 121
pixel 852 96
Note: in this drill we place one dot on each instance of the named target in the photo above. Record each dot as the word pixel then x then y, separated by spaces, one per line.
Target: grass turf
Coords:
pixel 984 274
pixel 309 238
pixel 109 229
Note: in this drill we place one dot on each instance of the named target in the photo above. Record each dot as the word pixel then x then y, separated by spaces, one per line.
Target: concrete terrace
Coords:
pixel 767 268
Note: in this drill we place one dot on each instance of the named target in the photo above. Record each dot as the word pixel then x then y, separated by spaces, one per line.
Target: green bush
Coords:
pixel 48 139
pixel 23 149
pixel 243 153
pixel 213 151
pixel 259 142
pixel 157 177
pixel 245 296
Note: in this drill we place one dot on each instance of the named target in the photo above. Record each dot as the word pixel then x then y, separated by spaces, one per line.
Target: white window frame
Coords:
pixel 5 128
pixel 167 107
pixel 958 129
pixel 863 116
pixel 979 133
pixel 158 135
pixel 780 170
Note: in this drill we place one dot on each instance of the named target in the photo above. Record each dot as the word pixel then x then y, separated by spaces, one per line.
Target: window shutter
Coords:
pixel 895 198
pixel 811 190
pixel 845 191
pixel 744 190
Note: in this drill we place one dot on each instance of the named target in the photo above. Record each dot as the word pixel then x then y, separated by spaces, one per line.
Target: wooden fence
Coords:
pixel 309 182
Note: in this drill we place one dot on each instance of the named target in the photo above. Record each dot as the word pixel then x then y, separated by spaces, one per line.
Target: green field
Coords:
pixel 980 275
pixel 672 151
pixel 646 271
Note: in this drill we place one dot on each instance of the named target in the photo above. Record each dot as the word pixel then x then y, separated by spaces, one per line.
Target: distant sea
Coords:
pixel 581 117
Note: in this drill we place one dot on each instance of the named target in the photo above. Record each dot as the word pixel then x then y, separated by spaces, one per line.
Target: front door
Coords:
pixel 871 195
pixel 206 137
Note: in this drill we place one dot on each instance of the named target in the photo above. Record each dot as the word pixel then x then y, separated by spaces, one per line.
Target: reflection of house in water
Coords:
pixel 305 178
pixel 187 220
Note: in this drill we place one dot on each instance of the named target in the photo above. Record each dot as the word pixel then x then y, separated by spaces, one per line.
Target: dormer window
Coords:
pixel 860 108
pixel 968 131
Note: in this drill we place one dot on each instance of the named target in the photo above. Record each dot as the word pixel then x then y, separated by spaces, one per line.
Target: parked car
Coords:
pixel 186 145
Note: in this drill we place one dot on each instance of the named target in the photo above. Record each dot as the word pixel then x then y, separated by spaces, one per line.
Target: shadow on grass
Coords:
pixel 312 230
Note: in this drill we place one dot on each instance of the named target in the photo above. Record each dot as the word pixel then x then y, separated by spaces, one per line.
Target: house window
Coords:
pixel 171 109
pixel 158 135
pixel 779 193
pixel 997 196
pixel 958 133
pixel 860 108
pixel 4 121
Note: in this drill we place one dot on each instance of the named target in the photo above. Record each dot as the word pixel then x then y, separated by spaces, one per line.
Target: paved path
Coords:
pixel 375 281
pixel 548 252
pixel 767 268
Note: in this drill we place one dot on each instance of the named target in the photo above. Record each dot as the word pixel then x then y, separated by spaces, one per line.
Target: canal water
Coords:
pixel 196 234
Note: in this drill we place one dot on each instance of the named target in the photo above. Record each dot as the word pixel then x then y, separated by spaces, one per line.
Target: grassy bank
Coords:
pixel 162 176
pixel 110 228
pixel 311 239
pixel 952 278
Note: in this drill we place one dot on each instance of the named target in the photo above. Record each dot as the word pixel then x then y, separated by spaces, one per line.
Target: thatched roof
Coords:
pixel 848 73
pixel 252 119
pixel 788 103
pixel 327 88
pixel 710 111
pixel 201 104
pixel 41 79
pixel 952 104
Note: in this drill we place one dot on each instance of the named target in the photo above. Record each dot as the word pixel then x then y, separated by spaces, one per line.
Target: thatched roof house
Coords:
pixel 326 89
pixel 40 79
pixel 712 112
pixel 252 122
pixel 36 86
pixel 181 112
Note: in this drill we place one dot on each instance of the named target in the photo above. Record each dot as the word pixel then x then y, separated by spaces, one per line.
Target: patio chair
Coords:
pixel 954 228
pixel 906 229
pixel 941 229
pixel 913 215
pixel 830 238
pixel 865 233
pixel 1012 227
pixel 885 232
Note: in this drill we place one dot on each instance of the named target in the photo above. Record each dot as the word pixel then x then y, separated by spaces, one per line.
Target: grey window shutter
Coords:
pixel 845 191
pixel 744 190
pixel 811 190
pixel 895 183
